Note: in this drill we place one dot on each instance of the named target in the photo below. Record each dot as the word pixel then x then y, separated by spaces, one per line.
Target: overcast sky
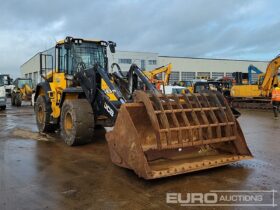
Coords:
pixel 237 29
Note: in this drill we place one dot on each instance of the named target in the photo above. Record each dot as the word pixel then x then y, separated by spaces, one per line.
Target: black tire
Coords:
pixel 2 107
pixel 17 99
pixel 77 122
pixel 13 99
pixel 43 116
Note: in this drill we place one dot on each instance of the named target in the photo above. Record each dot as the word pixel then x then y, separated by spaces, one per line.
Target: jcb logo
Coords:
pixel 109 110
pixel 107 91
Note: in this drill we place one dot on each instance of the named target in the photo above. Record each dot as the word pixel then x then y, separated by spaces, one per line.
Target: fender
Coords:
pixel 78 91
pixel 45 86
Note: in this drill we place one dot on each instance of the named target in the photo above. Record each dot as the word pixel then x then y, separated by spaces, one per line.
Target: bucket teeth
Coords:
pixel 164 135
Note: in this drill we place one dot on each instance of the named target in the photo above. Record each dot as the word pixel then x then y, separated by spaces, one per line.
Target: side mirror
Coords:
pixel 112 46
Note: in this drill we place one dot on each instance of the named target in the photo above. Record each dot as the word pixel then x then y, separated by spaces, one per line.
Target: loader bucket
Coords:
pixel 164 135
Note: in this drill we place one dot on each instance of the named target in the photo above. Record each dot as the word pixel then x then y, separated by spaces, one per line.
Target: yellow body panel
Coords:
pixel 108 91
pixel 190 89
pixel 249 91
pixel 26 92
pixel 57 86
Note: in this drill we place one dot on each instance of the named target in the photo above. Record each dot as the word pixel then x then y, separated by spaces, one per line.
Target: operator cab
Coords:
pixel 72 55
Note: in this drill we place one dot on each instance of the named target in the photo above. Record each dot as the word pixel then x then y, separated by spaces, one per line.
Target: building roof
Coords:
pixel 223 59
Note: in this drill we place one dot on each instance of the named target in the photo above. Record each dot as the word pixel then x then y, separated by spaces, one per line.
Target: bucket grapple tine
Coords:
pixel 163 135
pixel 203 115
pixel 212 115
pixel 174 118
pixel 162 116
pixel 142 97
pixel 188 133
pixel 194 117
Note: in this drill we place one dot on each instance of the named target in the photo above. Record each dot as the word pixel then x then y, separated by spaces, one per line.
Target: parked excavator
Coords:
pixel 153 74
pixel 22 91
pixel 154 134
pixel 257 96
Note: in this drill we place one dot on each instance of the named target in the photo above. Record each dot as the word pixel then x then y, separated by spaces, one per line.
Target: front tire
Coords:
pixel 77 122
pixel 43 116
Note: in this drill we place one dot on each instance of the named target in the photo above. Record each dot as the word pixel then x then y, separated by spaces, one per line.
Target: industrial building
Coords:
pixel 184 68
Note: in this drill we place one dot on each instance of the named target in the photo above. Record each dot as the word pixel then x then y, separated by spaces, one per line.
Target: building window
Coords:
pixel 187 76
pixel 229 75
pixel 30 76
pixel 35 78
pixel 203 75
pixel 143 64
pixel 254 78
pixel 152 62
pixel 125 60
pixel 174 77
pixel 26 76
pixel 216 75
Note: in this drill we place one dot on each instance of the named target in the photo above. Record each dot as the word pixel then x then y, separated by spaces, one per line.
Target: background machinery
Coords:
pixel 154 134
pixel 253 69
pixel 8 83
pixel 22 91
pixel 155 73
pixel 257 96
pixel 3 98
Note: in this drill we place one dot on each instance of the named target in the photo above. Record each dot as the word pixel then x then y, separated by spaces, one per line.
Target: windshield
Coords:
pixel 82 56
pixel 22 82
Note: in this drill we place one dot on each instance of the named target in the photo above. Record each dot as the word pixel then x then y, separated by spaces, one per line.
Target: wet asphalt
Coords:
pixel 40 172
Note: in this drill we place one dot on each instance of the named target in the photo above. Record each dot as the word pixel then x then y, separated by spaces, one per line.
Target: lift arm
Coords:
pixel 97 97
pixel 252 69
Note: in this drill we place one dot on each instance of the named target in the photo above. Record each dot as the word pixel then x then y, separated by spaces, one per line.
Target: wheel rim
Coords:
pixel 68 122
pixel 40 114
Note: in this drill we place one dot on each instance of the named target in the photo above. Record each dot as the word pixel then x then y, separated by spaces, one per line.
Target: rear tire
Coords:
pixel 17 99
pixel 13 99
pixel 43 116
pixel 77 122
pixel 2 107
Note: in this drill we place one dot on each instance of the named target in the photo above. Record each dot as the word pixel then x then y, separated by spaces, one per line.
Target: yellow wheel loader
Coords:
pixel 22 91
pixel 155 135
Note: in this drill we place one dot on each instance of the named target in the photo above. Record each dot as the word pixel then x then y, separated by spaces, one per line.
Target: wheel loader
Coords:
pixel 22 91
pixel 155 135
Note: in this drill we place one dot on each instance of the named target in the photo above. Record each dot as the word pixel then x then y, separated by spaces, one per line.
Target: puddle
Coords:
pixel 26 134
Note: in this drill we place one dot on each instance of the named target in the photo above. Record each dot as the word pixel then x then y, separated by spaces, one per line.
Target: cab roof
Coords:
pixel 84 40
